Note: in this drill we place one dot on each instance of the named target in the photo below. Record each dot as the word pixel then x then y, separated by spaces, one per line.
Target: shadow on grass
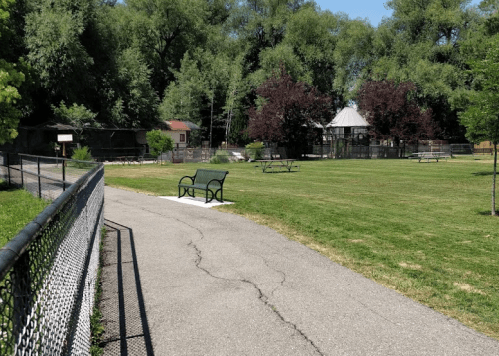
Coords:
pixel 488 213
pixel 482 173
pixel 4 186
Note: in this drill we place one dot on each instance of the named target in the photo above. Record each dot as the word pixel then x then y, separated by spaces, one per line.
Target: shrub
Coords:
pixel 255 150
pixel 159 142
pixel 82 154
pixel 221 156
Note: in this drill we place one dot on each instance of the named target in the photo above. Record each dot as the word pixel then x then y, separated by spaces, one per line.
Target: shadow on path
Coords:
pixel 122 302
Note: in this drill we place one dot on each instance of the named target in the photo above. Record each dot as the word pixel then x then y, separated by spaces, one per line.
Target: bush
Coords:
pixel 159 142
pixel 82 154
pixel 255 150
pixel 221 156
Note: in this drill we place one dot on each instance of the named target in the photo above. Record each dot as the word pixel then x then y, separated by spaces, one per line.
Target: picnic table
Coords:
pixel 273 165
pixel 430 155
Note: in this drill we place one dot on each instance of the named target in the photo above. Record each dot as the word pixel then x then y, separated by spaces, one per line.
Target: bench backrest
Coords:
pixel 203 176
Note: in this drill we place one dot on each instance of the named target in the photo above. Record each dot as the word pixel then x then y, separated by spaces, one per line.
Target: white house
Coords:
pixel 180 131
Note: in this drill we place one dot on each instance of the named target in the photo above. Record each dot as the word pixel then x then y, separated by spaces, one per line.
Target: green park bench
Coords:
pixel 209 180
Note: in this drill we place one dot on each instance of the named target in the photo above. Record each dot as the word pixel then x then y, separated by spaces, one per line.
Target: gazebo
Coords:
pixel 349 134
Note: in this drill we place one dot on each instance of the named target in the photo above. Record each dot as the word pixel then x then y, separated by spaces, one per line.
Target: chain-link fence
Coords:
pixel 48 271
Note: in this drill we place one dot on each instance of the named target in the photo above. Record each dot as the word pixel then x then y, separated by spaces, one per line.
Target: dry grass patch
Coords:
pixel 468 288
pixel 410 266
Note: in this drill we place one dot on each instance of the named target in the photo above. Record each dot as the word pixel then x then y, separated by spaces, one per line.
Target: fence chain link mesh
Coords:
pixel 47 295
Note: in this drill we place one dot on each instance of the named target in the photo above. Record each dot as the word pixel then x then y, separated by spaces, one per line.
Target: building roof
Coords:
pixel 191 125
pixel 348 117
pixel 177 126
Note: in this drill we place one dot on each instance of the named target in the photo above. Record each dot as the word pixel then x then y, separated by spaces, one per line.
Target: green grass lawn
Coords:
pixel 17 208
pixel 423 229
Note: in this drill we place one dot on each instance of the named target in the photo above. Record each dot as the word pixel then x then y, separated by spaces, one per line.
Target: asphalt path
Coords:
pixel 215 283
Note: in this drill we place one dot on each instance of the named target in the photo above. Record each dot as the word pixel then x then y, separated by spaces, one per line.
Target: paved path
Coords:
pixel 218 284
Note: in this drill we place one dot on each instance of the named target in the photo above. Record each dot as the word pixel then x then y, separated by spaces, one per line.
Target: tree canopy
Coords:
pixel 138 62
pixel 288 113
pixel 10 81
pixel 393 113
pixel 481 117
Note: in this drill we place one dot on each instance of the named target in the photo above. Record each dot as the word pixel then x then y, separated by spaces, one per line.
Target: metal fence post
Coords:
pixel 21 284
pixel 8 166
pixel 63 176
pixel 22 174
pixel 39 178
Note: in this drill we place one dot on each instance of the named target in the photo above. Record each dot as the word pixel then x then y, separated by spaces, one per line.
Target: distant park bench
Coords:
pixel 483 151
pixel 429 155
pixel 209 180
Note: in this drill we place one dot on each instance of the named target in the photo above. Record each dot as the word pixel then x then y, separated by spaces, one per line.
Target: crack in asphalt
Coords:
pixel 283 280
pixel 261 296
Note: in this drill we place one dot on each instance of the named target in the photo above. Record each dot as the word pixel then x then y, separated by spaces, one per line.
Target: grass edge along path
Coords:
pixel 420 229
pixel 17 208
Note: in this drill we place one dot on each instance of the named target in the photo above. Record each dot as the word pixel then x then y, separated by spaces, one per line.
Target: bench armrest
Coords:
pixel 220 181
pixel 191 178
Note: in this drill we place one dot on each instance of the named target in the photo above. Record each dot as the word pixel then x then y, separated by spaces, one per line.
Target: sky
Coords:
pixel 374 10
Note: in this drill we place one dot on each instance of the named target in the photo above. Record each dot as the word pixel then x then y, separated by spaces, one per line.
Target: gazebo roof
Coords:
pixel 348 117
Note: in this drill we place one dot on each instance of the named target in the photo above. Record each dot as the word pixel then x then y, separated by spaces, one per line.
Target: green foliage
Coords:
pixel 221 156
pixel 202 60
pixel 10 81
pixel 76 115
pixel 255 150
pixel 54 33
pixel 481 117
pixel 183 98
pixel 159 142
pixel 82 154
pixel 136 104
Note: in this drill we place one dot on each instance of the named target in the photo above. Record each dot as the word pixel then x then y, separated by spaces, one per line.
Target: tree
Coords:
pixel 288 112
pixel 10 80
pixel 54 33
pixel 481 118
pixel 159 142
pixel 76 115
pixel 163 30
pixel 393 113
pixel 182 98
pixel 421 43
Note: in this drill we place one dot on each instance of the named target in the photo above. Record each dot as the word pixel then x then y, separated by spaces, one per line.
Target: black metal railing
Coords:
pixel 44 177
pixel 48 271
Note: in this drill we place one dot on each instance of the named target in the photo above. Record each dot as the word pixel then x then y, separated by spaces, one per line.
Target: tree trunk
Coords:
pixel 494 181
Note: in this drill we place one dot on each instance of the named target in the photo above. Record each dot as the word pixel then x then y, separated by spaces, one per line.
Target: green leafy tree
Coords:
pixel 76 115
pixel 10 81
pixel 135 101
pixel 421 43
pixel 183 97
pixel 54 33
pixel 481 118
pixel 163 30
pixel 159 142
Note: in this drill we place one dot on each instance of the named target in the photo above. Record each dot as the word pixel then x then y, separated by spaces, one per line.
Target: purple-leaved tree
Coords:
pixel 289 114
pixel 393 114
